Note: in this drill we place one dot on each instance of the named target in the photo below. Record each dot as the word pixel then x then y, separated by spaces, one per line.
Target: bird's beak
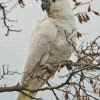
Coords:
pixel 45 5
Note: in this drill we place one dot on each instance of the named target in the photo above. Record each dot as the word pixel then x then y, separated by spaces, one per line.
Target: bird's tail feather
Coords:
pixel 36 85
pixel 24 97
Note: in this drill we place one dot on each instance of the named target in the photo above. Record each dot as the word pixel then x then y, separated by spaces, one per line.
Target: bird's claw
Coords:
pixel 49 68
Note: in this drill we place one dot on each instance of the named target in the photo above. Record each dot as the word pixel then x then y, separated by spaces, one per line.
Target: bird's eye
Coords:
pixel 54 0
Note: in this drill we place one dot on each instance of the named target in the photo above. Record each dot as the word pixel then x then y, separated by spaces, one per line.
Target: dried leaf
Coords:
pixel 74 0
pixel 80 18
pixel 85 59
pixel 79 98
pixel 88 98
pixel 93 43
pixel 84 18
pixel 77 93
pixel 79 35
pixel 94 90
pixel 90 60
pixel 82 76
pixel 21 2
pixel 83 98
pixel 89 8
pixel 96 13
pixel 87 17
pixel 91 81
pixel 91 55
pixel 77 3
pixel 66 95
pixel 94 86
pixel 59 67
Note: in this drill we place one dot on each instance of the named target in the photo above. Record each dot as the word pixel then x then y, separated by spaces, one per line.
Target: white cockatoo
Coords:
pixel 48 44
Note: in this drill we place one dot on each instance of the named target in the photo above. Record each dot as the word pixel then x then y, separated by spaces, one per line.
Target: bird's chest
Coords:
pixel 60 49
pixel 59 44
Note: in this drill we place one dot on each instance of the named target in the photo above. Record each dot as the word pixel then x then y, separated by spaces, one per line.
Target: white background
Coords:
pixel 14 48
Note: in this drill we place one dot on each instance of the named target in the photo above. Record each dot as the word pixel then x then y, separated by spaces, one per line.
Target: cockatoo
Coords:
pixel 48 44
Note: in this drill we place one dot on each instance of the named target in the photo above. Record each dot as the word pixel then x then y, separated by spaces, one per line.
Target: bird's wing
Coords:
pixel 41 40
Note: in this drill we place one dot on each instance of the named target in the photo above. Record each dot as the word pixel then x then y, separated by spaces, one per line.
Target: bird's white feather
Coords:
pixel 48 43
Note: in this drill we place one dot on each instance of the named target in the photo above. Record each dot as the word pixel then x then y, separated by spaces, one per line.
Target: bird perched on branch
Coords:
pixel 49 45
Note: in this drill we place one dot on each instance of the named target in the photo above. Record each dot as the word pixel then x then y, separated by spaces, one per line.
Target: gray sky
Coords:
pixel 14 48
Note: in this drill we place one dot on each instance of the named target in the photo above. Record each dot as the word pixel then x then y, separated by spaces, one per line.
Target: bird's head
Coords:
pixel 51 6
pixel 56 8
pixel 46 4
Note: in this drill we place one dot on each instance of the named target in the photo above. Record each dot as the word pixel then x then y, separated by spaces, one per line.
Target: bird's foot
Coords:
pixel 49 68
